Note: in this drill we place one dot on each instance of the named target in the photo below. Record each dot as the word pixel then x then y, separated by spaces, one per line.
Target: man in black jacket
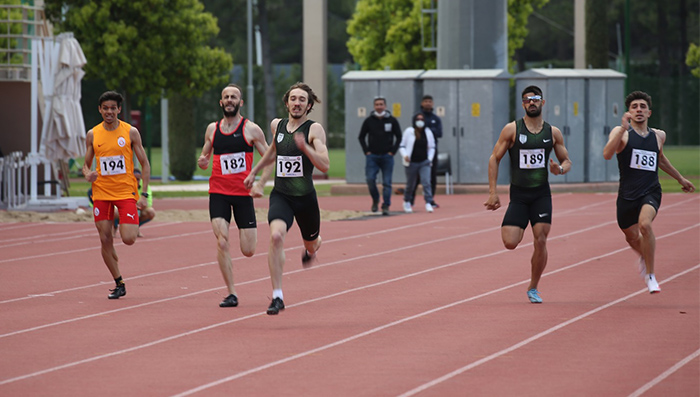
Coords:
pixel 380 137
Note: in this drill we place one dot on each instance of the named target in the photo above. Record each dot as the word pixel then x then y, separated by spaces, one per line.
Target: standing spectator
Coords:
pixel 380 136
pixel 640 154
pixel 417 150
pixel 433 122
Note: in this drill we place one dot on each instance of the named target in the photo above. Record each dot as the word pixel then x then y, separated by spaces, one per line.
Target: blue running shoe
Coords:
pixel 534 296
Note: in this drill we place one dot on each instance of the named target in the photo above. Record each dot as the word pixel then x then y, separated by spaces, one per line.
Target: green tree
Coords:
pixel 145 47
pixel 387 33
pixel 692 59
pixel 8 43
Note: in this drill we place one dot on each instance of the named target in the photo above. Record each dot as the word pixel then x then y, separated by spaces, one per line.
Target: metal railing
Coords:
pixel 15 189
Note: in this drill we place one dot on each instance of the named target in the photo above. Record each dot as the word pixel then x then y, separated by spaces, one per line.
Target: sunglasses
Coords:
pixel 535 98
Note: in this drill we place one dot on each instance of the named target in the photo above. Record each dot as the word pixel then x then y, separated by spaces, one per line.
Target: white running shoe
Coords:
pixel 642 267
pixel 428 207
pixel 407 207
pixel 652 284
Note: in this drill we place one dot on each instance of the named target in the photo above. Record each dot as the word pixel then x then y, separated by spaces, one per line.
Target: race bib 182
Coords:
pixel 232 163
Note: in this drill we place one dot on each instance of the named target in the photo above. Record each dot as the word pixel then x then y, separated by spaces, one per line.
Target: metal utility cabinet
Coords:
pixel 474 108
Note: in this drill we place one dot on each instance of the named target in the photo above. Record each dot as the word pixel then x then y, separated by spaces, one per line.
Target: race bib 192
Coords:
pixel 289 166
pixel 112 165
pixel 232 163
pixel 643 160
pixel 531 158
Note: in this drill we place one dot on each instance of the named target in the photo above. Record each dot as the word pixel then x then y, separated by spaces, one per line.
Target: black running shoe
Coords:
pixel 307 259
pixel 229 301
pixel 375 206
pixel 275 306
pixel 118 292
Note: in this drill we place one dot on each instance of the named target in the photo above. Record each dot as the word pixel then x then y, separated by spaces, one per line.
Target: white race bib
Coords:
pixel 643 160
pixel 232 163
pixel 112 165
pixel 532 158
pixel 289 166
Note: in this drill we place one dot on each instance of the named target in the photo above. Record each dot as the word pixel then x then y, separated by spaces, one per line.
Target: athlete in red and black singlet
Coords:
pixel 232 161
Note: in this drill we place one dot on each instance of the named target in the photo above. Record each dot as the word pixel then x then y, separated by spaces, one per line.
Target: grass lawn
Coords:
pixel 686 159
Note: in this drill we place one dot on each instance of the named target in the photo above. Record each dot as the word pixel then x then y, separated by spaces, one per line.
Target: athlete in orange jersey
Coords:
pixel 113 143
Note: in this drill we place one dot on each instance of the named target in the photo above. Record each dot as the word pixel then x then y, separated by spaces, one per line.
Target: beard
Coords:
pixel 231 114
pixel 534 113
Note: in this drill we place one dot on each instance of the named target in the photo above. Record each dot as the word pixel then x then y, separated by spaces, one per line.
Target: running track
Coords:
pixel 420 304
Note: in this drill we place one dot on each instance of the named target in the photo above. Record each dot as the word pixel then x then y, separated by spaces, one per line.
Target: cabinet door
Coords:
pixel 359 103
pixel 446 106
pixel 597 131
pixel 615 109
pixel 475 130
pixel 574 133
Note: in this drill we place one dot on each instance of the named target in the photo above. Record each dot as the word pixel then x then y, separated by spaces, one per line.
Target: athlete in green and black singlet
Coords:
pixel 529 156
pixel 293 170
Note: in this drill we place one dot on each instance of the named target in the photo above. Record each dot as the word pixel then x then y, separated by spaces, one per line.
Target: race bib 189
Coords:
pixel 643 160
pixel 289 166
pixel 531 158
pixel 232 163
pixel 112 165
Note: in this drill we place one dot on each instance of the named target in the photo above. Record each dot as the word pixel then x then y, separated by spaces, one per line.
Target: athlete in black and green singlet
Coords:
pixel 298 145
pixel 529 142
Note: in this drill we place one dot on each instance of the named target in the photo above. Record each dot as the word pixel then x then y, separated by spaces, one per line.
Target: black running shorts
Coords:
pixel 220 206
pixel 302 208
pixel 628 210
pixel 533 205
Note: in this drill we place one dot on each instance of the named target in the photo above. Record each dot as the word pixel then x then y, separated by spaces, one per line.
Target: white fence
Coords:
pixel 15 187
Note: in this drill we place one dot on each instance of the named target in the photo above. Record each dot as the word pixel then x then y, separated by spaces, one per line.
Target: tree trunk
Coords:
pixel 270 100
pixel 181 137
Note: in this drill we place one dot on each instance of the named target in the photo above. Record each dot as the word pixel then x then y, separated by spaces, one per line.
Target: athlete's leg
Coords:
pixel 540 231
pixel 512 236
pixel 223 255
pixel 640 236
pixel 276 256
pixel 109 254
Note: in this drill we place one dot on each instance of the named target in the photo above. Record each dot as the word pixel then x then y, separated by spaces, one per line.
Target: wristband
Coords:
pixel 144 194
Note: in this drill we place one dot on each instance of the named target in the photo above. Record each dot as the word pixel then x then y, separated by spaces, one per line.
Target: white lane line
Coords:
pixel 665 374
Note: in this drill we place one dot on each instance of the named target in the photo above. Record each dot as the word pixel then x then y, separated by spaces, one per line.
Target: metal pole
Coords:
pixel 627 47
pixel 251 94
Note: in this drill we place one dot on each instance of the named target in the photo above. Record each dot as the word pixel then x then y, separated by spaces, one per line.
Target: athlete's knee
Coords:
pixel 128 240
pixel 510 244
pixel 277 238
pixel 645 227
pixel 222 244
pixel 248 251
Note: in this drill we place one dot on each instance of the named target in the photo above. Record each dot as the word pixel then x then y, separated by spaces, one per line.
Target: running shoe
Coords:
pixel 652 284
pixel 428 208
pixel 385 209
pixel 407 207
pixel 229 301
pixel 534 296
pixel 375 206
pixel 118 292
pixel 307 259
pixel 275 306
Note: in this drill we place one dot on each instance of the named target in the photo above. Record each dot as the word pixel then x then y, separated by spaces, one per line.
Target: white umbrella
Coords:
pixel 63 133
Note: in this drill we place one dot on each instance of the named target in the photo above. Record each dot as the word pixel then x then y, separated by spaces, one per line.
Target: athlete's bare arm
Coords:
pixel 253 133
pixel 90 176
pixel 203 160
pixel 505 141
pixel 267 159
pixel 561 153
pixel 140 152
pixel 316 150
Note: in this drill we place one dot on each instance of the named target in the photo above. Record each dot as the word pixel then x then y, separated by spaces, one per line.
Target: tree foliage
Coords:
pixel 8 14
pixel 387 33
pixel 145 46
pixel 692 59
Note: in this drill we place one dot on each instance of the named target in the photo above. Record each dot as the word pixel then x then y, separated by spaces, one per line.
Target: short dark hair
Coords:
pixel 303 86
pixel 634 95
pixel 532 89
pixel 426 97
pixel 236 86
pixel 111 96
pixel 379 98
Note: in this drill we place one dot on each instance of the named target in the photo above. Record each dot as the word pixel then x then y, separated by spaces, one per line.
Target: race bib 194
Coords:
pixel 289 166
pixel 232 163
pixel 643 160
pixel 112 165
pixel 531 158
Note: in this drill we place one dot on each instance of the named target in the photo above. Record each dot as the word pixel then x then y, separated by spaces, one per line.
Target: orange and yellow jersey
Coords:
pixel 115 164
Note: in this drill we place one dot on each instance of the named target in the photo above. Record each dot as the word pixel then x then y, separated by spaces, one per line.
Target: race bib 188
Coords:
pixel 289 166
pixel 643 160
pixel 531 158
pixel 232 163
pixel 112 165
